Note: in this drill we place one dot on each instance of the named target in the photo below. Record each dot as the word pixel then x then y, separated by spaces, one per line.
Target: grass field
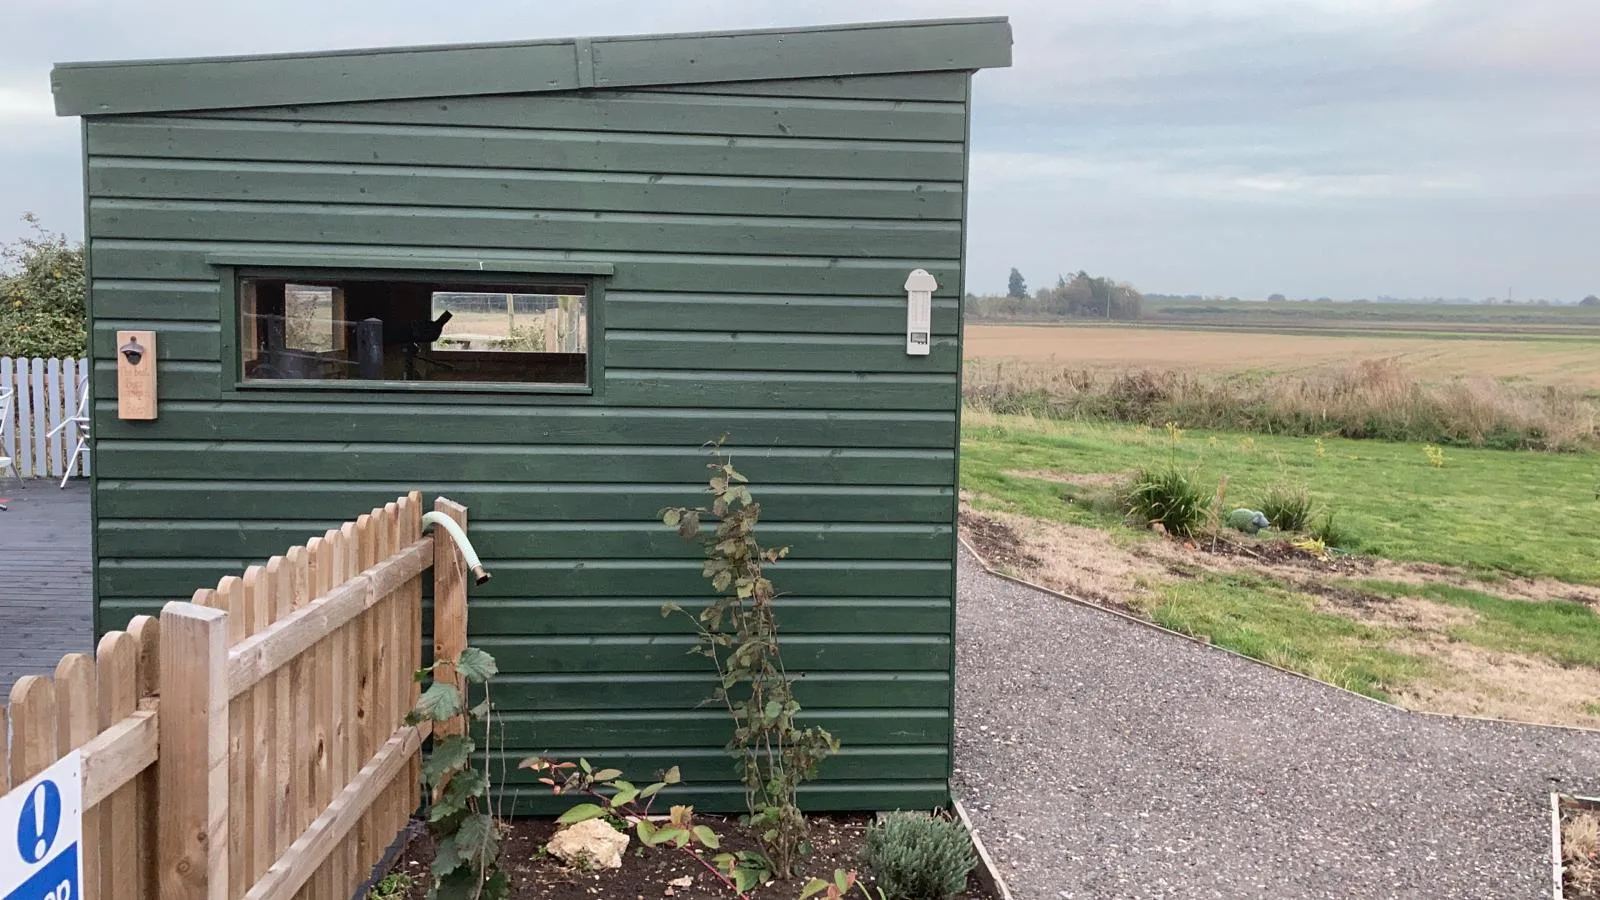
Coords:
pixel 1531 514
pixel 1544 359
pixel 1477 597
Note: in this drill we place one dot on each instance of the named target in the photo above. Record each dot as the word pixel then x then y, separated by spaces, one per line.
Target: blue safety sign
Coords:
pixel 43 861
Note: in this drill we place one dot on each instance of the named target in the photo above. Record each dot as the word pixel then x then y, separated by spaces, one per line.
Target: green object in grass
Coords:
pixel 1248 521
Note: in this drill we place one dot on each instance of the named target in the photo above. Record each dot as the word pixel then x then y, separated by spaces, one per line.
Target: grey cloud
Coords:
pixel 1345 147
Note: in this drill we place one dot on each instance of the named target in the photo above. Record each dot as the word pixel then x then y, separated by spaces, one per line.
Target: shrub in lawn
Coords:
pixel 1327 530
pixel 915 856
pixel 1287 507
pixel 1169 497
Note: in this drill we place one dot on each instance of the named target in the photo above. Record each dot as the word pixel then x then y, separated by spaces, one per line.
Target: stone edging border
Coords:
pixel 1234 653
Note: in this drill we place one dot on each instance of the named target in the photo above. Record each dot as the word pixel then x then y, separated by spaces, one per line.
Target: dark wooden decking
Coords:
pixel 46 597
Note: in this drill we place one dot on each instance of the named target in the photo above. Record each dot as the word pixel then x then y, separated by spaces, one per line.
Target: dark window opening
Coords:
pixel 354 329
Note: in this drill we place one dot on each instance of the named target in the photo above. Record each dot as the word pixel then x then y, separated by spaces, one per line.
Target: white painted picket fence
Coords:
pixel 47 392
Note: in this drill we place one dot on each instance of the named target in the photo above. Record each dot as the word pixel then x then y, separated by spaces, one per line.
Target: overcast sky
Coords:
pixel 1310 147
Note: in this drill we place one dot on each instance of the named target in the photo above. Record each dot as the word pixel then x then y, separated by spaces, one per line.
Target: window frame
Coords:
pixel 591 276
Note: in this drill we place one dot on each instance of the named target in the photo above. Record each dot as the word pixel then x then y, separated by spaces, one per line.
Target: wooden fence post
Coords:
pixel 449 608
pixel 193 841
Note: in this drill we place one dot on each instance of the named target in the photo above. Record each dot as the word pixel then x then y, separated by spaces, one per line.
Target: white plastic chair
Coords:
pixel 7 463
pixel 79 423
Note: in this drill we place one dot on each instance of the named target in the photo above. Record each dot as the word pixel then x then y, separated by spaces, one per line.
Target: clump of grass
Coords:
pixel 1328 530
pixel 1168 497
pixel 1287 507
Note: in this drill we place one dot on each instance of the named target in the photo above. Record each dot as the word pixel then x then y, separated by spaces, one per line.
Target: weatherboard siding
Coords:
pixel 760 235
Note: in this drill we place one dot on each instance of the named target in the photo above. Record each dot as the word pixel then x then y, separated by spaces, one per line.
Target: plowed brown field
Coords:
pixel 1573 362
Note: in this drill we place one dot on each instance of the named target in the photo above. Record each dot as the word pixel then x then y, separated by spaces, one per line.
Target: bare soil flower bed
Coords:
pixel 653 872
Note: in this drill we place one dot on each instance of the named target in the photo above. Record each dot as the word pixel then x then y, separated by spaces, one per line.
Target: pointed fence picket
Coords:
pixel 252 744
pixel 46 393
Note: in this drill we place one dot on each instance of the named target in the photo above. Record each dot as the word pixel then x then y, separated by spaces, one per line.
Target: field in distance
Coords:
pixel 1473 318
pixel 1572 360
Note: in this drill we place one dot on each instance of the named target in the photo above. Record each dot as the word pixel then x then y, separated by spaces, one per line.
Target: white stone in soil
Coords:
pixel 589 844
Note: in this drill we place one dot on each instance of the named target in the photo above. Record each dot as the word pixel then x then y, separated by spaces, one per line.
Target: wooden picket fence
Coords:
pixel 46 393
pixel 251 743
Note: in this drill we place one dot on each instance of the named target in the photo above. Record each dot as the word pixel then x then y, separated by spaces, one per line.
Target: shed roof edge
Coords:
pixel 452 70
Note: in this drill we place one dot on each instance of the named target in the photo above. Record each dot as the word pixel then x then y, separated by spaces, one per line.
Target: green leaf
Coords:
pixel 708 837
pixel 440 701
pixel 448 755
pixel 476 666
pixel 607 774
pixel 676 835
pixel 460 884
pixel 446 857
pixel 813 887
pixel 584 765
pixel 671 776
pixel 625 796
pixel 442 811
pixel 581 813
pixel 652 790
pixel 671 517
pixel 842 880
pixel 475 833
pixel 744 879
pixel 464 785
pixel 773 710
pixel 496 886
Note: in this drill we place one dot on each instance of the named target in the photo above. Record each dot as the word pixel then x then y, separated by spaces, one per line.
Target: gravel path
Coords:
pixel 1102 759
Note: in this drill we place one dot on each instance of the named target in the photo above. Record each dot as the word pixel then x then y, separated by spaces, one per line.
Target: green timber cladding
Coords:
pixel 748 206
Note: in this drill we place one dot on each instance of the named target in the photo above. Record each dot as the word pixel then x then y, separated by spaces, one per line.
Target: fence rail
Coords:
pixel 46 393
pixel 252 744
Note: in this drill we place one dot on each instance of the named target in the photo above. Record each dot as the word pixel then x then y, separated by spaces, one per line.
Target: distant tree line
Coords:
pixel 1082 296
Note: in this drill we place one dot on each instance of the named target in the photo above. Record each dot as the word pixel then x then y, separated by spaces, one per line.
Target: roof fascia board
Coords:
pixel 93 89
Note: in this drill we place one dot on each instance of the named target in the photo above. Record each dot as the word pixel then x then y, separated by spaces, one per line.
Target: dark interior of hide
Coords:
pixel 386 331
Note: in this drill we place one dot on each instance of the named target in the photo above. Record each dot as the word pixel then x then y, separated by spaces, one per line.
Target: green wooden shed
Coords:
pixel 537 277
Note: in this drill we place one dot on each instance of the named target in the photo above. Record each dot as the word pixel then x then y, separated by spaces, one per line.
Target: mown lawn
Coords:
pixel 1525 513
pixel 1268 621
